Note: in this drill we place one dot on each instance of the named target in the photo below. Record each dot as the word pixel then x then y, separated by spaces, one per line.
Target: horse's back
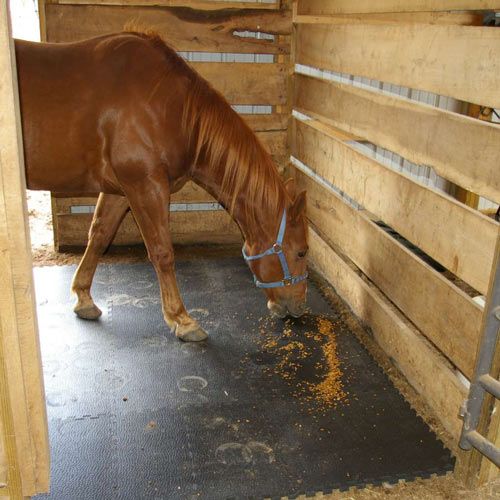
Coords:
pixel 76 99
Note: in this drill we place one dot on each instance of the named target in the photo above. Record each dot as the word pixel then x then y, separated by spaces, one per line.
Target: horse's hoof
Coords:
pixel 91 312
pixel 195 335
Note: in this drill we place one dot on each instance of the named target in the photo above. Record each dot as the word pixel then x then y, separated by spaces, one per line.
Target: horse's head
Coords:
pixel 281 270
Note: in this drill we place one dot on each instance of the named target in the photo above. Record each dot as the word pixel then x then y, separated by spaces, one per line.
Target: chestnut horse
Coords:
pixel 124 116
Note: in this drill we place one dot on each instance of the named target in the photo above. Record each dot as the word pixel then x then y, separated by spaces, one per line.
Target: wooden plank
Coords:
pixel 22 401
pixel 192 4
pixel 419 362
pixel 271 122
pixel 458 61
pixel 247 83
pixel 442 312
pixel 467 19
pixel 460 149
pixel 319 7
pixel 458 237
pixel 334 131
pixel 184 29
pixel 186 227
pixel 190 193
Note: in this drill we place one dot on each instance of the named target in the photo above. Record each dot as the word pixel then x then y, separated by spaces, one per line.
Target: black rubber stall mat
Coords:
pixel 265 408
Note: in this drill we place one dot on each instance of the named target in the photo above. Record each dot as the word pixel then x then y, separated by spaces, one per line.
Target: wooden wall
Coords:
pixel 190 27
pixel 422 319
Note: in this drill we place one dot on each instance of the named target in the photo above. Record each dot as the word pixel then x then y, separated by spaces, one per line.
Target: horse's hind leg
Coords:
pixel 150 202
pixel 109 212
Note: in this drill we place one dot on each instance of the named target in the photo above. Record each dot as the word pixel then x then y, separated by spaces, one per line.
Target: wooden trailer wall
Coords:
pixel 238 31
pixel 426 323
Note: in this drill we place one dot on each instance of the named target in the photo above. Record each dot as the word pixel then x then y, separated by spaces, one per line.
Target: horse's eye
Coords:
pixel 302 254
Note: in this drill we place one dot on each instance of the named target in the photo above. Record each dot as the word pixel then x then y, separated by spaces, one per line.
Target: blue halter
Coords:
pixel 276 249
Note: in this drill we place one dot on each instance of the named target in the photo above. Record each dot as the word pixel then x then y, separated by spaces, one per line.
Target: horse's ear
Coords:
pixel 298 206
pixel 290 187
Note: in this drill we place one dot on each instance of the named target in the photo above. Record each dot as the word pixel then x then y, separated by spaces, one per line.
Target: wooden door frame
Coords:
pixel 24 445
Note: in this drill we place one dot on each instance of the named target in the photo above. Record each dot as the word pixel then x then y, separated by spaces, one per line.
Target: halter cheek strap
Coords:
pixel 276 249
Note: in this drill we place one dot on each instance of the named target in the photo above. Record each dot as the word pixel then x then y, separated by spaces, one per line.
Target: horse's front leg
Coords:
pixel 109 212
pixel 150 202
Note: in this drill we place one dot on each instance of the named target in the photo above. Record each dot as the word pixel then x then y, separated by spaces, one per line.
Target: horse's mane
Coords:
pixel 219 134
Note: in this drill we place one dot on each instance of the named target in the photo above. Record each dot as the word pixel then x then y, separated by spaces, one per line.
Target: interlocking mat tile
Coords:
pixel 266 408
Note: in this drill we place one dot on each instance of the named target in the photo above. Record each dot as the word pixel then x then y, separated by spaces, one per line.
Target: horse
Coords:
pixel 125 117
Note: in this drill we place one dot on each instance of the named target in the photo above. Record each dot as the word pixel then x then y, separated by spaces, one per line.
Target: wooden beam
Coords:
pixel 420 363
pixel 184 29
pixel 467 19
pixel 22 401
pixel 458 237
pixel 442 312
pixel 458 61
pixel 318 7
pixel 460 149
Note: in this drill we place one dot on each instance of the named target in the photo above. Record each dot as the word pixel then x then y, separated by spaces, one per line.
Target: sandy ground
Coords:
pixel 435 488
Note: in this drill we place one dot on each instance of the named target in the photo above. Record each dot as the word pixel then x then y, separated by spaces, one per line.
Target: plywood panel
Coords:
pixel 460 149
pixel 457 61
pixel 462 239
pixel 421 364
pixel 445 314
pixel 184 29
pixel 367 6
pixel 247 83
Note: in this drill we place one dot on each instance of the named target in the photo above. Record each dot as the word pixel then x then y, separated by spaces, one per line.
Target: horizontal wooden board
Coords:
pixel 419 362
pixel 183 28
pixel 272 122
pixel 190 193
pixel 467 19
pixel 462 239
pixel 186 227
pixel 458 61
pixel 446 315
pixel 367 6
pixel 461 149
pixel 247 83
pixel 192 4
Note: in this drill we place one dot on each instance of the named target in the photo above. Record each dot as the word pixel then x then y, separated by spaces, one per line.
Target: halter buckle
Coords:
pixel 277 247
pixel 287 281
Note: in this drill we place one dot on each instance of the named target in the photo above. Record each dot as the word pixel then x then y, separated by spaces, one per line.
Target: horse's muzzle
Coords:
pixel 295 309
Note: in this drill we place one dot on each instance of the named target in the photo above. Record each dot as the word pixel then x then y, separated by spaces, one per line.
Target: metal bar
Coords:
pixel 491 385
pixel 483 381
pixel 486 447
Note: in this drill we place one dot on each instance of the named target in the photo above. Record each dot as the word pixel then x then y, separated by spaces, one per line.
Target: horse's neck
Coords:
pixel 267 218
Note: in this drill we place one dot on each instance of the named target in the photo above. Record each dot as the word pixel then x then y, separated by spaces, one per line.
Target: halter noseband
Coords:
pixel 276 249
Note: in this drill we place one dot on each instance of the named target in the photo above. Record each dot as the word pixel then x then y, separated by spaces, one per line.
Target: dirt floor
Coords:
pixel 435 488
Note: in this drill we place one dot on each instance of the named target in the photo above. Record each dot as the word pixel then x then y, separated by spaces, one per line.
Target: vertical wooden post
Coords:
pixel 23 420
pixel 291 85
pixel 468 197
